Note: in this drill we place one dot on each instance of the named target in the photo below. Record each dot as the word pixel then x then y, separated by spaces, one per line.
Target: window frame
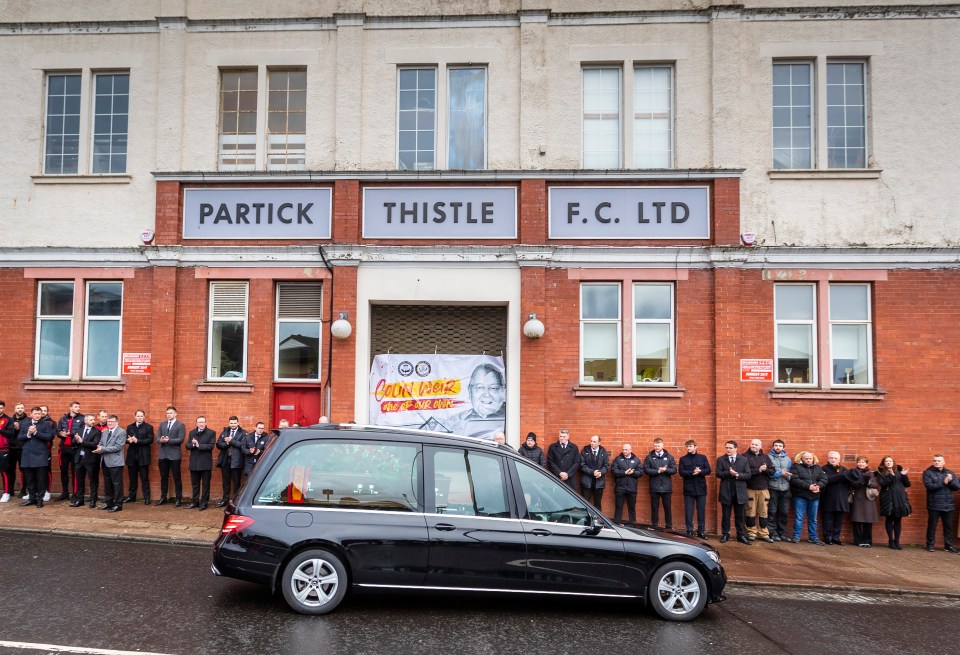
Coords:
pixel 86 329
pixel 618 321
pixel 93 124
pixel 416 110
pixel 54 317
pixel 671 118
pixel 812 106
pixel 212 318
pixel 814 336
pixel 278 320
pixel 671 326
pixel 620 113
pixel 450 69
pixel 867 323
pixel 843 61
pixel 430 453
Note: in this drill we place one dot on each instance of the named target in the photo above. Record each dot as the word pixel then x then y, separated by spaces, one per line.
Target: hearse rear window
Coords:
pixel 330 474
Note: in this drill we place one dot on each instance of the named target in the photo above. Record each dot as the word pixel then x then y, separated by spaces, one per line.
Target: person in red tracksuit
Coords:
pixel 67 426
pixel 5 426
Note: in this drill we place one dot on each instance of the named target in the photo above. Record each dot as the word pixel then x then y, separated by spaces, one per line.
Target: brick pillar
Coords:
pixel 726 211
pixel 168 213
pixel 343 351
pixel 727 385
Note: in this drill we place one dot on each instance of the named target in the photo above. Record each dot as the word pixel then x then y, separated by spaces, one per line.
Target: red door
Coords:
pixel 297 404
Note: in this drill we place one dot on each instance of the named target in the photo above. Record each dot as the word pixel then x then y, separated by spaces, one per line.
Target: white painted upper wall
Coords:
pixel 722 86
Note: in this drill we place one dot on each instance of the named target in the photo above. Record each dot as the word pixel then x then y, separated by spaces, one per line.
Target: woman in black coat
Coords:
pixel 863 507
pixel 894 503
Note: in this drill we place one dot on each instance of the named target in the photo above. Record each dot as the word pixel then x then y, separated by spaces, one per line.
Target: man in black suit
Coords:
pixel 733 471
pixel 86 463
pixel 200 443
pixel 139 438
pixel 594 463
pixel 36 435
pixel 563 458
pixel 256 443
pixel 171 434
pixel 231 443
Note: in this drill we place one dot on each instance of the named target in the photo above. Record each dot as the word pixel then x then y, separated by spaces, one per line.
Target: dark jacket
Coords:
pixel 733 490
pixel 259 444
pixel 694 485
pixel 589 464
pixel 661 483
pixel 534 454
pixel 939 495
pixel 138 454
pixel 201 455
pixel 6 432
pixel 803 477
pixel 623 482
pixel 70 425
pixel 83 453
pixel 36 448
pixel 233 450
pixel 863 509
pixel 759 480
pixel 893 493
pixel 13 430
pixel 171 449
pixel 836 496
pixel 566 460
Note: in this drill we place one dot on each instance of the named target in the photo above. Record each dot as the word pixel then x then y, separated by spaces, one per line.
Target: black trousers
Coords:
pixel 200 486
pixel 862 533
pixel 170 467
pixel 594 495
pixel 701 504
pixel 65 459
pixel 630 499
pixel 12 463
pixel 141 472
pixel 112 485
pixel 87 470
pixel 656 498
pixel 5 486
pixel 832 522
pixel 778 512
pixel 933 517
pixel 35 478
pixel 738 511
pixel 231 481
pixel 893 524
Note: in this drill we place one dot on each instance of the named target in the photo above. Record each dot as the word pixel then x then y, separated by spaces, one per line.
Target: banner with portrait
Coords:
pixel 460 394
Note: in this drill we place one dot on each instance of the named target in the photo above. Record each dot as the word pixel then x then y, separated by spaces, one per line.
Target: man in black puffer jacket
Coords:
pixel 940 483
pixel 532 451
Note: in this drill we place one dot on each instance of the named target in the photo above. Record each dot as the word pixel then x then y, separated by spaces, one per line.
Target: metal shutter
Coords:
pixel 450 329
pixel 300 300
pixel 228 299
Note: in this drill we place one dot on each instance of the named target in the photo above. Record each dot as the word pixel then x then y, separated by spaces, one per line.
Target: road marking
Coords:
pixel 50 648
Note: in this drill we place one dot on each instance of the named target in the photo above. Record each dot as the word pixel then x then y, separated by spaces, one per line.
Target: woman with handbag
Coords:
pixel 864 491
pixel 894 504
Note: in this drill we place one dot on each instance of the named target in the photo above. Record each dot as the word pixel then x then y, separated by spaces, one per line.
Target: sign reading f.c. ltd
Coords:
pixel 282 213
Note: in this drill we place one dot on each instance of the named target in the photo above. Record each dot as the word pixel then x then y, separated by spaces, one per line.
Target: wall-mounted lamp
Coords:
pixel 341 327
pixel 533 328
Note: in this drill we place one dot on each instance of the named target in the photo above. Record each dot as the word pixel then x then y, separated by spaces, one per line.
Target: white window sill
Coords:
pixel 826 394
pixel 824 174
pixel 75 385
pixel 633 392
pixel 225 387
pixel 82 179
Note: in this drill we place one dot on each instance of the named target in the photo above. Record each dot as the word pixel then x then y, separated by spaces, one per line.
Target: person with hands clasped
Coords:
pixel 734 472
pixel 200 443
pixel 594 463
pixel 940 483
pixel 863 506
pixel 660 466
pixel 694 468
pixel 778 509
pixel 894 503
pixel 230 461
pixel 807 484
pixel 110 450
pixel 171 434
pixel 626 472
pixel 758 492
pixel 35 436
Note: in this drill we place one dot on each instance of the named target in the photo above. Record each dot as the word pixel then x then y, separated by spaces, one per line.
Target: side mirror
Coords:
pixel 594 525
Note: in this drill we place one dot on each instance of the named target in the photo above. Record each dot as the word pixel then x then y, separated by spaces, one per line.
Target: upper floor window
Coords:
pixel 263 133
pixel 653 332
pixel 600 332
pixel 649 109
pixel 73 146
pixel 57 318
pixel 418 145
pixel 299 311
pixel 838 113
pixel 227 336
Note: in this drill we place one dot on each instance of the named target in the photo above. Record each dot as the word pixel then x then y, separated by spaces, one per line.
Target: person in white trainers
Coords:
pixel 4 453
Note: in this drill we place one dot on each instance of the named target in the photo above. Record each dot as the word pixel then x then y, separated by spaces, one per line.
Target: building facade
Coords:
pixel 733 221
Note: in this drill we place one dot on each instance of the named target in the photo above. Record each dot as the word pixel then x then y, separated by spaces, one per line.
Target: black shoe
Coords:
pixel 116 508
pixel 775 537
pixel 222 503
pixel 92 504
pixel 203 506
pixel 702 535
pixel 929 549
pixel 192 506
pixel 105 506
pixel 177 503
pixel 128 499
pixel 817 542
pixel 28 502
pixel 146 501
pixel 39 502
pixel 689 533
pixel 162 501
pixel 897 546
pixel 63 497
pixel 950 549
pixel 76 503
pixel 744 540
pixel 837 542
pixel 725 538
pixel 767 539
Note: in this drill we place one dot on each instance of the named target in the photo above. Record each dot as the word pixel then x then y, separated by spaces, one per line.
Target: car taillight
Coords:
pixel 235 523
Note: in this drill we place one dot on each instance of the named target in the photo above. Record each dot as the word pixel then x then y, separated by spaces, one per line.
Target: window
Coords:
pixel 847 305
pixel 466 116
pixel 600 333
pixel 299 311
pixel 253 139
pixel 352 476
pixel 469 484
pixel 837 110
pixel 102 346
pixel 417 119
pixel 652 117
pixel 547 500
pixel 56 311
pixel 653 333
pixel 228 331
pixel 65 135
pixel 601 118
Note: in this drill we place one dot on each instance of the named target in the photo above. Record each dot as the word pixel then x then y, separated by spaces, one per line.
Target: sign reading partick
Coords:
pixel 281 213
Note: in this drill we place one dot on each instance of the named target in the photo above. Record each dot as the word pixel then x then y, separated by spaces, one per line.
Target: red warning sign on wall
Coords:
pixel 756 370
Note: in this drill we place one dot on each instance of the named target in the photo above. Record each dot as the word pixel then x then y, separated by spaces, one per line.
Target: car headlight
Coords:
pixel 714 555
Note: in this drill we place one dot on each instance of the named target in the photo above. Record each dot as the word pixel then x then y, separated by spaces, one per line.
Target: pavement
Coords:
pixel 794 566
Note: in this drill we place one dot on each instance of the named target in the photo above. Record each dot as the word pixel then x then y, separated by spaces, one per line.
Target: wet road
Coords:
pixel 126 596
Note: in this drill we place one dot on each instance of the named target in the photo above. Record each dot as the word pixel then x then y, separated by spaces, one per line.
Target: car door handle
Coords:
pixel 445 527
pixel 540 532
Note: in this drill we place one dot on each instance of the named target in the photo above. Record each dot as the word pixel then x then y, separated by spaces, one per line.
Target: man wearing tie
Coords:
pixel 255 445
pixel 733 471
pixel 36 435
pixel 85 463
pixel 563 458
pixel 231 444
pixel 111 450
pixel 594 463
pixel 172 433
pixel 139 438
pixel 200 443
